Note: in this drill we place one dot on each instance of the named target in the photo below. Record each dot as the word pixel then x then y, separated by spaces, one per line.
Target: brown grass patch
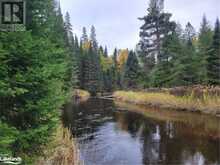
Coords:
pixel 205 104
pixel 62 150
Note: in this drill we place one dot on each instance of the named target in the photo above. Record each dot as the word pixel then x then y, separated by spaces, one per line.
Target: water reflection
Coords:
pixel 109 135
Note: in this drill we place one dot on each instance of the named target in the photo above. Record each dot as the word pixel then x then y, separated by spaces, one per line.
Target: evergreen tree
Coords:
pixel 131 71
pixel 40 17
pixel 213 60
pixel 92 72
pixel 189 33
pixel 156 27
pixel 84 38
pixel 115 56
pixel 37 77
pixel 116 74
pixel 101 51
pixel 68 30
pixel 106 52
pixel 59 34
pixel 90 76
pixel 93 39
pixel 183 60
pixel 204 43
pixel 160 75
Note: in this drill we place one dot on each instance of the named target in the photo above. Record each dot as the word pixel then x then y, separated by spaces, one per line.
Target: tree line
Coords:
pixel 166 56
pixel 173 56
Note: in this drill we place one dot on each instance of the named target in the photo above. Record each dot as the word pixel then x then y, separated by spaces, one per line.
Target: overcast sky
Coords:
pixel 117 23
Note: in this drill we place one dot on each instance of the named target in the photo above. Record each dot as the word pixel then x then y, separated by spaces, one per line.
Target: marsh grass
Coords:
pixel 205 104
pixel 62 150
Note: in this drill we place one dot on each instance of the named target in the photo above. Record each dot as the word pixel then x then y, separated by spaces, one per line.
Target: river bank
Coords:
pixel 63 148
pixel 207 104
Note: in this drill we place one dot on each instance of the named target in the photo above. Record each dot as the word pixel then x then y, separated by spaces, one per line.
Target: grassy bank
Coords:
pixel 206 104
pixel 61 150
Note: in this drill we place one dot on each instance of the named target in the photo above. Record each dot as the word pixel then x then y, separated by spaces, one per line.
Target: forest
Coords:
pixel 42 66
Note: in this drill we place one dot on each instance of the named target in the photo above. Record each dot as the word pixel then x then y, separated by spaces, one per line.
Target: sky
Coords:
pixel 117 23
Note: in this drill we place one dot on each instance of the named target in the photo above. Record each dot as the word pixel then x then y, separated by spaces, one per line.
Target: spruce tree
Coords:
pixel 92 72
pixel 68 30
pixel 131 71
pixel 116 73
pixel 204 43
pixel 184 70
pixel 93 39
pixel 106 52
pixel 213 60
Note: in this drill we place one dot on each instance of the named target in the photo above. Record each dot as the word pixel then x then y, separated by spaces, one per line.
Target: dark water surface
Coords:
pixel 121 134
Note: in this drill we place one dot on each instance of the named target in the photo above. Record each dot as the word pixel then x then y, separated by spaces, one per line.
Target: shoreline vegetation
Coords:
pixel 201 99
pixel 62 149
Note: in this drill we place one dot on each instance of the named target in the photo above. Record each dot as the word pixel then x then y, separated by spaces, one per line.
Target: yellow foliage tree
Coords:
pixel 122 58
pixel 86 45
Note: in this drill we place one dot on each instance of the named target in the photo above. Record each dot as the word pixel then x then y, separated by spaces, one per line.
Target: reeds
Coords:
pixel 62 150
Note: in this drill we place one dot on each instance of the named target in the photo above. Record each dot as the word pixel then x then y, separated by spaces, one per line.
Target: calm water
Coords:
pixel 120 134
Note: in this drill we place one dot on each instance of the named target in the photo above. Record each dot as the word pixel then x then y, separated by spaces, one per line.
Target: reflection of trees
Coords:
pixel 86 117
pixel 175 139
pixel 164 141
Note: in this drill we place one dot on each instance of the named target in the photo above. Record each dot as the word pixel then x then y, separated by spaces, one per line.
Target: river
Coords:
pixel 112 133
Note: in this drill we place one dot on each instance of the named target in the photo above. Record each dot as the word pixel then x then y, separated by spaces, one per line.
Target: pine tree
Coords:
pixel 115 56
pixel 58 31
pixel 68 30
pixel 40 17
pixel 92 72
pixel 90 78
pixel 84 38
pixel 189 33
pixel 106 52
pixel 101 51
pixel 160 76
pixel 115 70
pixel 156 27
pixel 93 39
pixel 213 60
pixel 183 59
pixel 204 43
pixel 131 71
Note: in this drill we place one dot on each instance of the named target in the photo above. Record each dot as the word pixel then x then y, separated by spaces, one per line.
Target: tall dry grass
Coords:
pixel 62 150
pixel 205 104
